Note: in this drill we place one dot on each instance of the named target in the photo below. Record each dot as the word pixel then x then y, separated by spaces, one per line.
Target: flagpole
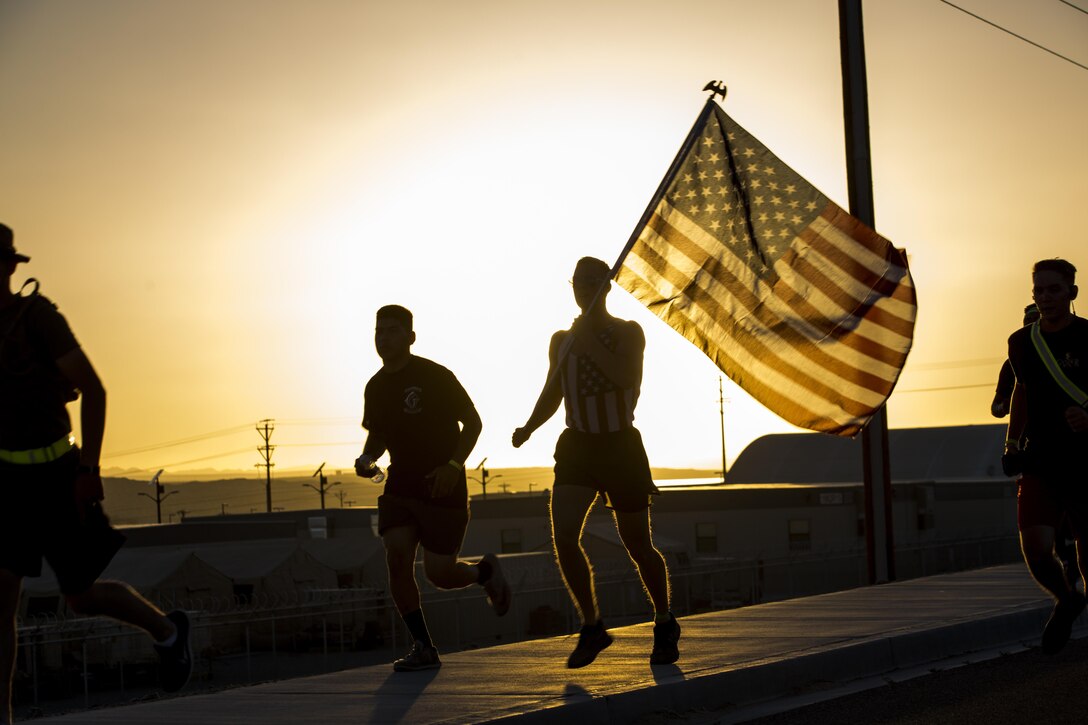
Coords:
pixel 685 147
pixel 879 540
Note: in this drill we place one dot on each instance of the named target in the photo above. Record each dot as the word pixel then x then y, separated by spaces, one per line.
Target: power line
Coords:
pixel 191 460
pixel 949 387
pixel 978 362
pixel 178 442
pixel 1075 7
pixel 1016 35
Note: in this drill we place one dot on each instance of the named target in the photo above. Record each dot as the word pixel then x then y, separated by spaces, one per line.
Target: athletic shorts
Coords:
pixel 441 528
pixel 1044 501
pixel 613 464
pixel 39 519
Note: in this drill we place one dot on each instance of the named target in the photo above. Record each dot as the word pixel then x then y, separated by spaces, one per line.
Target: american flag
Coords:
pixel 803 306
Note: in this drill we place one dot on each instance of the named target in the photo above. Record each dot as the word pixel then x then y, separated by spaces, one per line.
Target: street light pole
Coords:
pixel 159 497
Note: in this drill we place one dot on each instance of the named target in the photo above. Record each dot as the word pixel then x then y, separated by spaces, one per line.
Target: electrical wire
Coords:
pixel 178 442
pixel 1016 35
pixel 1075 7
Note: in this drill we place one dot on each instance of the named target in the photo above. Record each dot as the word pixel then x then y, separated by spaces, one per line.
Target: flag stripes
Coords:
pixel 820 342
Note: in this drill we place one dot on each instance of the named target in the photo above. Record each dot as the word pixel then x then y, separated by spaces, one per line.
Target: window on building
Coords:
pixel 706 538
pixel 511 541
pixel 800 535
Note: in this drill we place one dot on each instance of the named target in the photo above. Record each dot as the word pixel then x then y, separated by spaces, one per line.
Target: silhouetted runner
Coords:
pixel 595 369
pixel 50 488
pixel 1047 439
pixel 417 410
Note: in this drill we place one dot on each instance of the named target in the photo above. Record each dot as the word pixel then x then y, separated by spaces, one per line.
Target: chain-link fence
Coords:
pixel 74 663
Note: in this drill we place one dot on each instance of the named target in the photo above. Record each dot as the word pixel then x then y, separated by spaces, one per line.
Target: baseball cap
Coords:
pixel 7 245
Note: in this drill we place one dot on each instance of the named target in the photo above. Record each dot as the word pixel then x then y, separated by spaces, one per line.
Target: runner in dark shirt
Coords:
pixel 1048 438
pixel 51 489
pixel 417 410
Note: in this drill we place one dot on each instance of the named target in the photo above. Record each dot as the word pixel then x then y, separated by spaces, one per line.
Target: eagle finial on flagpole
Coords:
pixel 716 88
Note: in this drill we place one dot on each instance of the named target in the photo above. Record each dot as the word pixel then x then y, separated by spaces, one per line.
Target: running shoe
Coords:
pixel 497 588
pixel 176 660
pixel 420 657
pixel 1060 625
pixel 592 639
pixel 666 637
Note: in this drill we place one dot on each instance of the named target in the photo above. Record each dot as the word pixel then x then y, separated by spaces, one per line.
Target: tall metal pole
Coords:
pixel 879 541
pixel 721 415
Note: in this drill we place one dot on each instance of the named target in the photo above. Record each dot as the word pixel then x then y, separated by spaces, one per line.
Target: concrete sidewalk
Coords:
pixel 733 658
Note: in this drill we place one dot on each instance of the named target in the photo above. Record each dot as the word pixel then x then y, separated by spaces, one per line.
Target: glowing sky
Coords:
pixel 219 194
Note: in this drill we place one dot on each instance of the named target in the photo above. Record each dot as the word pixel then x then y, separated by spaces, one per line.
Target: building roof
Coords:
pixel 915 454
pixel 143 568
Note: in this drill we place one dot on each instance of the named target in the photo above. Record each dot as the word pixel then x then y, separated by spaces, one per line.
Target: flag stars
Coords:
pixel 794 203
pixel 776 200
pixel 705 191
pixel 768 170
pixel 715 226
pixel 710 208
pixel 694 208
pixel 756 184
pixel 749 153
pixel 714 158
pixel 723 191
pixel 763 217
pixel 784 233
pixel 795 219
pixel 702 175
pixel 708 141
pixel 779 216
pixel 753 168
pixel 691 194
pixel 719 174
pixel 688 178
pixel 758 201
pixel 790 188
pixel 811 206
pixel 773 185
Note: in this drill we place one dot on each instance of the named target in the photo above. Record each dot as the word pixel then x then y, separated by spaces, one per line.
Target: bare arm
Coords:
pixel 471 427
pixel 75 366
pixel 550 396
pixel 1018 417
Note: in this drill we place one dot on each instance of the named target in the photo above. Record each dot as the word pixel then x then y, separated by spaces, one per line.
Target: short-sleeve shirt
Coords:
pixel 416 412
pixel 33 391
pixel 1047 430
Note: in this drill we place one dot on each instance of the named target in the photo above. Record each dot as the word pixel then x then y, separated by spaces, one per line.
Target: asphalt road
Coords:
pixel 1024 687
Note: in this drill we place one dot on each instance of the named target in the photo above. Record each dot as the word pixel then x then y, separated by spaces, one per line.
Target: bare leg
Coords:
pixel 446 571
pixel 1037 544
pixel 634 529
pixel 10 586
pixel 401 544
pixel 570 505
pixel 120 601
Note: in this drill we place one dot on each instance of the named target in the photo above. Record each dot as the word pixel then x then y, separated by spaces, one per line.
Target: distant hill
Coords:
pixel 246 494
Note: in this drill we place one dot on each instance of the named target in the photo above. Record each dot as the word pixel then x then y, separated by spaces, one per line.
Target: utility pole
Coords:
pixel 265 428
pixel 721 415
pixel 323 486
pixel 159 496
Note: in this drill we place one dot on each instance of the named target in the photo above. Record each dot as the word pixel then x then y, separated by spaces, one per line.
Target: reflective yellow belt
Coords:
pixel 40 455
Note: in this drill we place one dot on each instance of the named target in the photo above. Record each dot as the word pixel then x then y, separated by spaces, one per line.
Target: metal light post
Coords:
pixel 159 497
